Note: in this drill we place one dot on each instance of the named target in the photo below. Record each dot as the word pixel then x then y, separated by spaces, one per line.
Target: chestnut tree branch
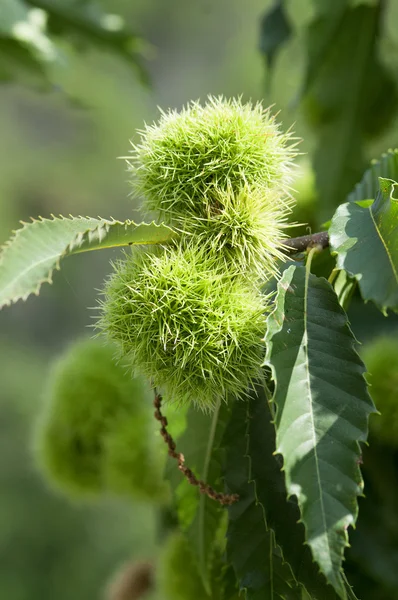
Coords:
pixel 204 488
pixel 301 244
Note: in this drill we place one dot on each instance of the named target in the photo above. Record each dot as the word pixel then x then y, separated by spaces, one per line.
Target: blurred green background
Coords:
pixel 59 154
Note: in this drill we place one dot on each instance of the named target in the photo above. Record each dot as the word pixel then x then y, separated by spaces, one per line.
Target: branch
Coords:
pixel 301 244
pixel 204 488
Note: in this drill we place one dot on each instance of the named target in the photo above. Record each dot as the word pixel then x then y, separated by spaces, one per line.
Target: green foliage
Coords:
pixel 29 259
pixel 200 517
pixel 265 518
pixel 179 578
pixel 185 323
pixel 349 95
pixel 93 433
pixel 381 359
pixel 219 169
pixel 386 166
pixel 309 342
pixel 30 31
pixel 251 547
pixel 371 228
pixel 50 548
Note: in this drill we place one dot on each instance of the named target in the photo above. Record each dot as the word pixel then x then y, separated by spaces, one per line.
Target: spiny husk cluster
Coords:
pixel 225 168
pixel 191 316
pixel 187 324
pixel 91 437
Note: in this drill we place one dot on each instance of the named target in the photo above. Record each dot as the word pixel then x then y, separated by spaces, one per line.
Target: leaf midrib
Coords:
pixel 307 276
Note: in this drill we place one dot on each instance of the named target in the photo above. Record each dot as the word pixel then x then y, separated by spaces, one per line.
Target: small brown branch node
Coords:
pixel 204 488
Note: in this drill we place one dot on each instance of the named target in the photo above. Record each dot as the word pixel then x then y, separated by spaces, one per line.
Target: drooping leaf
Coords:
pixel 251 547
pixel 386 166
pixel 200 517
pixel 29 259
pixel 364 235
pixel 346 97
pixel 275 31
pixel 321 412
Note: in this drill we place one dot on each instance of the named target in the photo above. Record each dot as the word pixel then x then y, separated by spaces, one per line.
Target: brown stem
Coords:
pixel 301 244
pixel 204 488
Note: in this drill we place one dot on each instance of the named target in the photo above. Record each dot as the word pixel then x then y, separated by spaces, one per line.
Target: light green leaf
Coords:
pixel 365 239
pixel 29 259
pixel 344 286
pixel 200 517
pixel 322 407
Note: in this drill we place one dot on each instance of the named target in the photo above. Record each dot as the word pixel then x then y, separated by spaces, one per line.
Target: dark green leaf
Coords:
pixel 322 407
pixel 275 31
pixel 251 547
pixel 29 259
pixel 349 96
pixel 281 513
pixel 365 239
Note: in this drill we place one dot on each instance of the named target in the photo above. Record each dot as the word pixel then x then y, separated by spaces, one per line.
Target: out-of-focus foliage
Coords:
pixel 381 358
pixel 32 33
pixel 49 548
pixel 348 90
pixel 94 435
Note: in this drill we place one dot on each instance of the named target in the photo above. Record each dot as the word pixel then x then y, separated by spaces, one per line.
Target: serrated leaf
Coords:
pixel 29 259
pixel 322 407
pixel 365 239
pixel 281 513
pixel 200 517
pixel 386 166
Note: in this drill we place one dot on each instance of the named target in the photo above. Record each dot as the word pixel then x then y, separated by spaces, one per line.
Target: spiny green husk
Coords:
pixel 381 360
pixel 220 172
pixel 246 230
pixel 186 323
pixel 187 155
pixel 190 316
pixel 93 435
